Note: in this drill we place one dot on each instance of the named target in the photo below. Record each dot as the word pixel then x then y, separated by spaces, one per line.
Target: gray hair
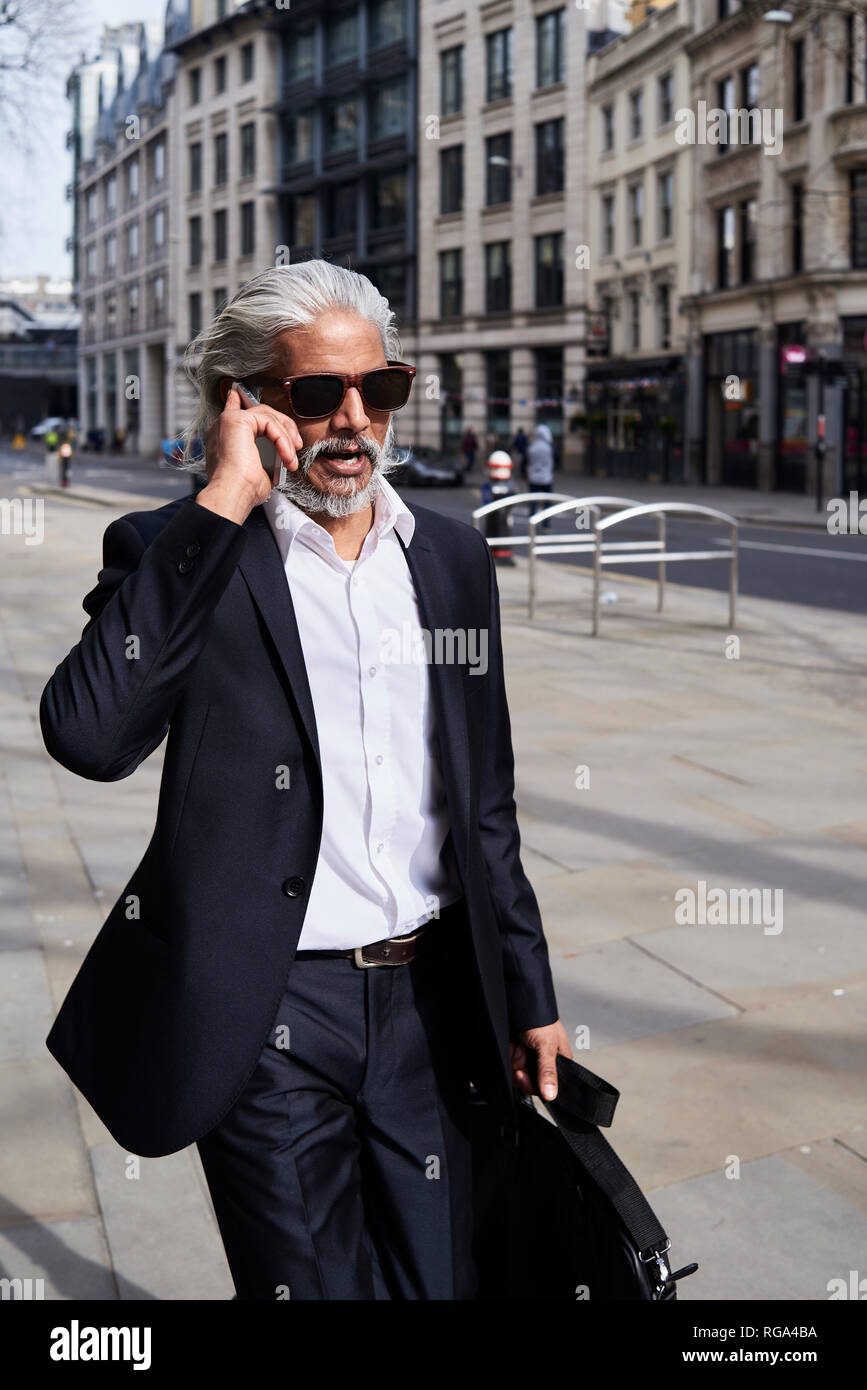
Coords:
pixel 240 341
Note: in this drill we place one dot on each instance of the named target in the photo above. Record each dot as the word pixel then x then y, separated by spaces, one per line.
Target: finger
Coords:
pixel 522 1081
pixel 233 399
pixel 519 1055
pixel 282 443
pixel 547 1073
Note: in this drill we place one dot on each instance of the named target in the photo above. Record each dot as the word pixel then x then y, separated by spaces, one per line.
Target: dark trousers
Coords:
pixel 344 1169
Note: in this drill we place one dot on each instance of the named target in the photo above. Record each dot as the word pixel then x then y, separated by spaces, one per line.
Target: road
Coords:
pixel 794 565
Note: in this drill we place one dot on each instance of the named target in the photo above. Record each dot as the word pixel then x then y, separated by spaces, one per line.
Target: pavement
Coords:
pixel 659 756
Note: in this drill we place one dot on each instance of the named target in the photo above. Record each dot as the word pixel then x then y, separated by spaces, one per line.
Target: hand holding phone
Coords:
pixel 272 464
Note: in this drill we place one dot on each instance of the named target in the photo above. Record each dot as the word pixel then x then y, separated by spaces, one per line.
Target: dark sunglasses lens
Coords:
pixel 388 389
pixel 316 395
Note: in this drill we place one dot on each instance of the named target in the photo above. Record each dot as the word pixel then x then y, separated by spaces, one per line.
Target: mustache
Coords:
pixel 359 444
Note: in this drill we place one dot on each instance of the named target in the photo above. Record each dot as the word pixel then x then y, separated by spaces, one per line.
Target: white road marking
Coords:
pixel 796 550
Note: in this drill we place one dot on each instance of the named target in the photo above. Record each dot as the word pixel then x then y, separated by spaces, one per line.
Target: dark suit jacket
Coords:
pixel 166 1018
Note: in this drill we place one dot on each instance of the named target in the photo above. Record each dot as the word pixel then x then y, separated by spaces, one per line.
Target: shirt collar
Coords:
pixel 287 518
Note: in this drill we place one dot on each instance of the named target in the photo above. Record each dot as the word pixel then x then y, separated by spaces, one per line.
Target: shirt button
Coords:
pixel 293 887
pixel 372 671
pixel 192 550
pixel 379 849
pixel 379 757
pixel 185 566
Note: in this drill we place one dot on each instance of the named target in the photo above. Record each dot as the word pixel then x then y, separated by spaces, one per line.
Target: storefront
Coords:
pixel 634 422
pixel 792 408
pixel 855 406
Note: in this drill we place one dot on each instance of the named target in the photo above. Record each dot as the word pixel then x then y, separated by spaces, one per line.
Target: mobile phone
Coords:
pixel 271 462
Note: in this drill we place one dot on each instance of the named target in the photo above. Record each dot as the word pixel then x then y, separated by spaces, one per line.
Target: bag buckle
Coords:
pixel 663 1273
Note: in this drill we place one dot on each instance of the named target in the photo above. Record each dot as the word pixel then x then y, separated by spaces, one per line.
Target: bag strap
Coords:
pixel 614 1179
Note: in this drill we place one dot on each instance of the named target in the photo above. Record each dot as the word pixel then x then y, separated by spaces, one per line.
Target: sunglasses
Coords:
pixel 314 395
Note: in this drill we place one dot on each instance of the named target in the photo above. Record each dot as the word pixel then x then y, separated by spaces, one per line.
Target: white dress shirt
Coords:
pixel 384 864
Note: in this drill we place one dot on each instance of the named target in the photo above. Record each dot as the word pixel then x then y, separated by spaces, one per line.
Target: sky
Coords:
pixel 35 218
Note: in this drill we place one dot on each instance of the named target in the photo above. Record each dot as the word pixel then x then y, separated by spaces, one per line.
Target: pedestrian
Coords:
pixel 540 465
pixel 52 444
pixel 520 444
pixel 469 445
pixel 65 461
pixel 330 938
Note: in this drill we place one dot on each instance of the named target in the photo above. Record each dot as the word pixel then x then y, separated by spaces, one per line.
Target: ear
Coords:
pixel 225 384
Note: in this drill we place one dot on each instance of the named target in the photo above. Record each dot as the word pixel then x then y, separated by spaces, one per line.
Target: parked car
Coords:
pixel 425 467
pixel 51 422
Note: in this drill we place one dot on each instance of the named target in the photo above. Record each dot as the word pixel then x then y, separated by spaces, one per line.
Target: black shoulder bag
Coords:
pixel 557 1215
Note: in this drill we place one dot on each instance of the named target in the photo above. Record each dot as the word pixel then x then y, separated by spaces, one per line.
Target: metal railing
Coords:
pixel 565 543
pixel 503 503
pixel 638 553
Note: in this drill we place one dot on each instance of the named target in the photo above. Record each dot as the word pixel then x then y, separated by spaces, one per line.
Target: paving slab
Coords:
pixel 771 1233
pixel 44 1169
pixel 70 1257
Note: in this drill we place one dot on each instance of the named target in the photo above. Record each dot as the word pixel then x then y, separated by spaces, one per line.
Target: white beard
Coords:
pixel 343 497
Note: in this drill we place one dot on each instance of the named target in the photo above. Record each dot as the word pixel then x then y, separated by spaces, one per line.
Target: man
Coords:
pixel 330 936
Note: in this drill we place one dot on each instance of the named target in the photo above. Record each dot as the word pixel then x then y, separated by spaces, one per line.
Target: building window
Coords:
pixel 248 150
pixel 550 163
pixel 221 159
pixel 132 179
pixel 799 91
pixel 635 320
pixel 132 241
pixel 636 213
pixel 549 390
pixel 111 193
pixel 387 201
pixel 858 218
pixel 132 307
pixel 220 300
pixel 341 39
pixel 549 270
pixel 111 252
pixel 195 167
pixel 725 247
pixel 247 62
pixel 498 169
pixel 607 119
pixel 663 315
pixel 159 229
pixel 248 229
pixel 195 239
pixel 451 283
pixel 194 86
pixel 220 74
pixel 498 48
pixel 724 8
pixel 551 48
pixel 90 205
pixel 158 160
pixel 386 22
pixel 665 205
pixel 849 59
pixel 498 277
pixel 665 98
pixel 341 126
pixel 389 114
pixel 452 179
pixel 797 227
pixel 300 56
pixel 298 138
pixel 498 391
pixel 341 210
pixel 221 235
pixel 302 220
pixel 726 102
pixel 195 312
pixel 90 262
pixel 110 315
pixel 452 80
pixel 608 224
pixel 749 212
pixel 636 113
pixel 750 87
pixel 158 295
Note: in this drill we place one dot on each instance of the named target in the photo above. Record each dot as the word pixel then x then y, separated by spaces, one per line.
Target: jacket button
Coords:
pixel 192 550
pixel 294 887
pixel 185 566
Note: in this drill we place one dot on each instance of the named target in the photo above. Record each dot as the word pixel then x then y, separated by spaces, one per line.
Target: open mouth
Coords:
pixel 344 463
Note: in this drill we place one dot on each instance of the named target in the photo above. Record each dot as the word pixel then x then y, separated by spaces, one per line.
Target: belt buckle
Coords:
pixel 373 964
pixel 364 964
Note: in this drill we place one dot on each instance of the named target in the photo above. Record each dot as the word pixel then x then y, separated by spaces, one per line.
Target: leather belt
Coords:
pixel 393 950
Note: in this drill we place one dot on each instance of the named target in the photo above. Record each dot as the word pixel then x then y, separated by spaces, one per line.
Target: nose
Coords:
pixel 351 414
